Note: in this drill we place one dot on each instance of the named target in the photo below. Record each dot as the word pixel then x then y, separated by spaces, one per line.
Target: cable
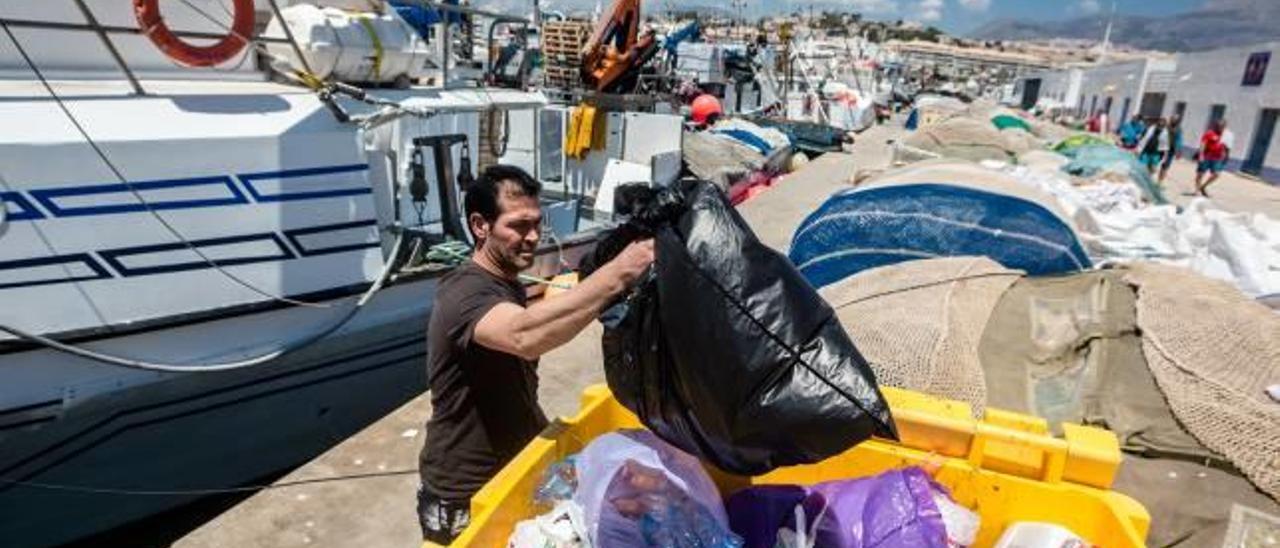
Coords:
pixel 136 194
pixel 288 34
pixel 308 79
pixel 223 366
pixel 305 76
pixel 208 491
pixel 455 252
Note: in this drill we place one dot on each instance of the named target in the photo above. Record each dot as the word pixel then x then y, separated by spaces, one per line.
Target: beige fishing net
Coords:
pixel 919 323
pixel 1213 351
pixel 967 139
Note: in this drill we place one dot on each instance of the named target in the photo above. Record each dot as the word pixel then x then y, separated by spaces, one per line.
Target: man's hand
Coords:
pixel 533 331
pixel 632 262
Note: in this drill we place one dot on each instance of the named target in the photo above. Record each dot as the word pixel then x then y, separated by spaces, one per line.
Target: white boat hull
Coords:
pixel 71 468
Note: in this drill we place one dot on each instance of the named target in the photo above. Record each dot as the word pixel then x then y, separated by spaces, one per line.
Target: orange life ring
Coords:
pixel 153 25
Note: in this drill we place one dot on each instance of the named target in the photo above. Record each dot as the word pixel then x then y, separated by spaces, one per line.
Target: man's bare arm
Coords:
pixel 533 331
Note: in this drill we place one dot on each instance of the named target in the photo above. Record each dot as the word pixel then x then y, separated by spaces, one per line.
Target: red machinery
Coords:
pixel 615 47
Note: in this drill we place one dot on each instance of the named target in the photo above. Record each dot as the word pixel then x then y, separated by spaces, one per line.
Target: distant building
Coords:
pixel 1125 89
pixel 1240 85
pixel 959 62
pixel 1051 90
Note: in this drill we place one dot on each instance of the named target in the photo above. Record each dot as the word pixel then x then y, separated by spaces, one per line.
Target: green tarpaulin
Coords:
pixel 1070 144
pixel 1005 121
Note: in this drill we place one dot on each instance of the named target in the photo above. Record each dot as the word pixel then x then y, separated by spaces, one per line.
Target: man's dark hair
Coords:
pixel 482 196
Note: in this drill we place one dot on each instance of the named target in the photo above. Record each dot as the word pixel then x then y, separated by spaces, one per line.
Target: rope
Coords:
pixel 288 34
pixel 455 253
pixel 377 45
pixel 297 344
pixel 202 491
pixel 66 111
pixel 915 287
pixel 305 77
pixel 498 146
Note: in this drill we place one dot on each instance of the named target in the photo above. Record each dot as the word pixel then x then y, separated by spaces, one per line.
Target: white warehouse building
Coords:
pixel 1052 89
pixel 1122 90
pixel 1233 84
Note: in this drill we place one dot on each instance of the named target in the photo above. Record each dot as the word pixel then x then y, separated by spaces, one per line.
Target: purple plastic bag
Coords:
pixel 893 509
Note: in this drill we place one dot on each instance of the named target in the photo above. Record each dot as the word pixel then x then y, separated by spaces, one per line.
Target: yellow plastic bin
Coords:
pixel 1005 467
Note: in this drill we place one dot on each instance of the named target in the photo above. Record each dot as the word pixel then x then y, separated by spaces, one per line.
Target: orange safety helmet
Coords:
pixel 704 107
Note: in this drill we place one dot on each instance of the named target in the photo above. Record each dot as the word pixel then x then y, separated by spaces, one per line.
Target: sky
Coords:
pixel 954 16
pixel 960 16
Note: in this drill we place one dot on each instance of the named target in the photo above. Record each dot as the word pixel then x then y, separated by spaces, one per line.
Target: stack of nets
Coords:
pixel 1213 351
pixel 919 323
pixel 1210 350
pixel 969 139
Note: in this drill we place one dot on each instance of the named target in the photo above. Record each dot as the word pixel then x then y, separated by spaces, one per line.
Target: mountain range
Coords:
pixel 1220 23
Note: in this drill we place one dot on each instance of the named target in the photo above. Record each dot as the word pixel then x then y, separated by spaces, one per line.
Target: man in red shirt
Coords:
pixel 1213 156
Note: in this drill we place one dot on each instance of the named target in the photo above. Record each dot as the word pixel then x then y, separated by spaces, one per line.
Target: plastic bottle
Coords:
pixel 1028 534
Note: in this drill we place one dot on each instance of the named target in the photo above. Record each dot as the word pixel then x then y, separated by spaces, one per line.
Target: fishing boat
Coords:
pixel 216 263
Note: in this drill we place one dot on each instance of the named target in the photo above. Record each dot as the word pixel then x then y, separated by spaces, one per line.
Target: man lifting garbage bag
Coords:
pixel 724 349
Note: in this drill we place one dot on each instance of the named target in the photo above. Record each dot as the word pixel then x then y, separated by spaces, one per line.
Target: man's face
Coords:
pixel 510 240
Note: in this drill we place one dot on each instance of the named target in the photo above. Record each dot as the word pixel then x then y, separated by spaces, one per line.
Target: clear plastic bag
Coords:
pixel 559 482
pixel 637 490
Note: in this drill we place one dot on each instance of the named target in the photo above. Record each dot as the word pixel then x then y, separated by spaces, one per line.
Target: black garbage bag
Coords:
pixel 810 137
pixel 724 349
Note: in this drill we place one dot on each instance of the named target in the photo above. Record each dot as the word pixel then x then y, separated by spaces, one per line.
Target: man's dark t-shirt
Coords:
pixel 484 402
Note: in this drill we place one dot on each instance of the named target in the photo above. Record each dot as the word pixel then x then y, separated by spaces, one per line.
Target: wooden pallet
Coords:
pixel 562 79
pixel 564 39
pixel 575 28
pixel 562 43
pixel 562 72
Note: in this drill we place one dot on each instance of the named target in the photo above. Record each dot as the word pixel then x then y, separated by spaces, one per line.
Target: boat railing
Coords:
pixel 258 40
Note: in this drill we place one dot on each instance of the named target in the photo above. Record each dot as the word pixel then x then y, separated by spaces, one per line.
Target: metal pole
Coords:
pixel 111 29
pixel 115 54
pixel 275 8
pixel 446 51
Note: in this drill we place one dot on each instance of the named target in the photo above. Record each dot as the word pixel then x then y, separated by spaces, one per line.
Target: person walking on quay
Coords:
pixel 1155 145
pixel 1212 156
pixel 1097 123
pixel 1131 131
pixel 1175 146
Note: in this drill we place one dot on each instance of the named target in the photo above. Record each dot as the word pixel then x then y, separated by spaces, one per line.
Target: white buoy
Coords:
pixel 798 160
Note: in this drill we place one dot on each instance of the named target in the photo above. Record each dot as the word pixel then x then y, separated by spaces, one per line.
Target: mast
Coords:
pixel 1106 37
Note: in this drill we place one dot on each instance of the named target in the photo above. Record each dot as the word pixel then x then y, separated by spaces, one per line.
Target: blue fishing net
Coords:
pixel 861 229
